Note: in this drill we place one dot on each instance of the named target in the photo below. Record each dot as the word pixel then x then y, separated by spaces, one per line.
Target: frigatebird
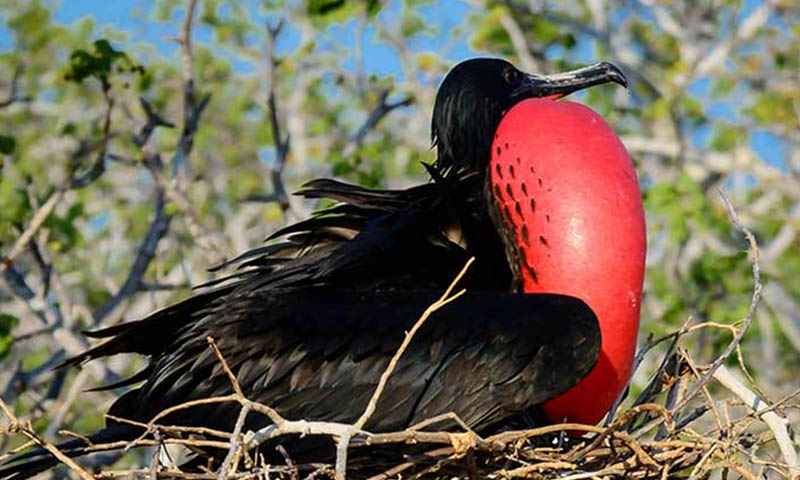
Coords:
pixel 308 323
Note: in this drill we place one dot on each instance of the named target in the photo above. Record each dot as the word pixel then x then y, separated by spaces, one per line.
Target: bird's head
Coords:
pixel 475 95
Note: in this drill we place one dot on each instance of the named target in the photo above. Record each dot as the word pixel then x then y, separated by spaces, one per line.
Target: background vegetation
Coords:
pixel 128 167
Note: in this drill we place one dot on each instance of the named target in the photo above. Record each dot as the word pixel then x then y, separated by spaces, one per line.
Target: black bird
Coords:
pixel 309 323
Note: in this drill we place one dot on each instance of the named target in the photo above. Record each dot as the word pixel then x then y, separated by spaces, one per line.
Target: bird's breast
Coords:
pixel 566 189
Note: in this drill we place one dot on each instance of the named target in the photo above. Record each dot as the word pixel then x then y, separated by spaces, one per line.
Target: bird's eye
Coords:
pixel 511 76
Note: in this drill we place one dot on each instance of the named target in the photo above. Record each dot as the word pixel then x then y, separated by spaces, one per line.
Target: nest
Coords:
pixel 674 428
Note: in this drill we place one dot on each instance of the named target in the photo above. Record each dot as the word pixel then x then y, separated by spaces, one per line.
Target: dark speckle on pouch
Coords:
pixel 509 192
pixel 543 241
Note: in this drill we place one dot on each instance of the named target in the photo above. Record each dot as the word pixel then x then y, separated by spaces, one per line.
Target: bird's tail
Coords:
pixel 39 460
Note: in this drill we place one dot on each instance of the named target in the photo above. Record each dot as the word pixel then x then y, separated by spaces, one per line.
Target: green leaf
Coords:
pixel 7 144
pixel 324 7
pixel 411 24
pixel 373 7
pixel 83 65
pixel 726 138
pixel 7 323
pixel 723 86
pixel 488 33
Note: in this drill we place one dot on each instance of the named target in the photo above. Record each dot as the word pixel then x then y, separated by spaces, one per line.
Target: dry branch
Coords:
pixel 777 424
pixel 661 435
pixel 756 296
pixel 28 431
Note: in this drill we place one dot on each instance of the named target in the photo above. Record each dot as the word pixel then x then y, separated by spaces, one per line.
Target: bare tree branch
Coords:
pixel 777 424
pixel 382 109
pixel 281 143
pixel 28 431
pixel 192 111
pixel 13 94
pixel 185 41
pixel 144 255
pixel 37 221
pixel 751 310
pixel 520 43
pixel 99 165
pixel 153 120
pixel 43 213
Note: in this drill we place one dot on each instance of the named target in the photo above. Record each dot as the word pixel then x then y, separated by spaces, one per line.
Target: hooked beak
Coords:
pixel 562 84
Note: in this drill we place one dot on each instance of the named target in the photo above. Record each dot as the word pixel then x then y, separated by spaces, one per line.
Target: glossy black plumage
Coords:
pixel 308 323
pixel 317 354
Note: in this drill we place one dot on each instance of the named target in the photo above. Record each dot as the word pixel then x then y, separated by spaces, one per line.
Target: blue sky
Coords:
pixel 134 17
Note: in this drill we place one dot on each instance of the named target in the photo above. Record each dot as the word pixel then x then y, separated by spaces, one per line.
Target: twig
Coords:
pixel 185 41
pixel 519 42
pixel 343 432
pixel 442 301
pixel 234 383
pixel 153 120
pixel 775 423
pixel 12 96
pixel 159 227
pixel 748 319
pixel 99 166
pixel 43 213
pixel 382 109
pixel 192 111
pixel 281 143
pixel 28 431
pixel 236 442
pixel 36 222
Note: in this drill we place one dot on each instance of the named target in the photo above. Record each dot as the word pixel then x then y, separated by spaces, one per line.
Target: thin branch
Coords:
pixel 236 442
pixel 754 300
pixel 16 283
pixel 153 120
pixel 13 96
pixel 225 367
pixel 192 111
pixel 99 165
pixel 158 286
pixel 519 42
pixel 159 227
pixel 382 109
pixel 281 143
pixel 185 41
pixel 43 213
pixel 28 431
pixel 37 221
pixel 744 31
pixel 443 300
pixel 777 424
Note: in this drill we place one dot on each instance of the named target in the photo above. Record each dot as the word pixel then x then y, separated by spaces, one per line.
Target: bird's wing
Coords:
pixel 317 354
pixel 373 239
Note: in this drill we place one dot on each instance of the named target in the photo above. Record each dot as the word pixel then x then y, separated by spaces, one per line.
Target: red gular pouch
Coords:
pixel 566 188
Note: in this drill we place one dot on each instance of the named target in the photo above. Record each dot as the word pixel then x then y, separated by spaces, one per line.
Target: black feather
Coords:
pixel 309 323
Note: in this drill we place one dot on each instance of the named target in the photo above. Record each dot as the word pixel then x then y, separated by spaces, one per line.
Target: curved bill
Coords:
pixel 561 84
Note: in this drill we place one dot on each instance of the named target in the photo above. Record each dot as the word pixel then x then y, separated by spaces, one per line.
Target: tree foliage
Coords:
pixel 96 124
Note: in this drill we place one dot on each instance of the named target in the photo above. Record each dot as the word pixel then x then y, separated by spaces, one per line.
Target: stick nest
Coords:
pixel 681 425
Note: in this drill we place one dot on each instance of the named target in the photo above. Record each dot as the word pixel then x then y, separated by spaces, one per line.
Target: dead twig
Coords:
pixel 29 432
pixel 36 222
pixel 777 424
pixel 381 109
pixel 441 302
pixel 748 319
